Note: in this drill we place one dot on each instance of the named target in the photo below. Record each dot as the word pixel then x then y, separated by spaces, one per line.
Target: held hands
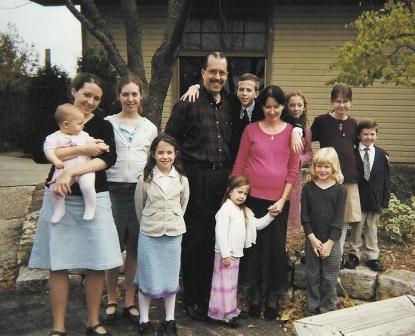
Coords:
pixel 191 94
pixel 276 208
pixel 227 261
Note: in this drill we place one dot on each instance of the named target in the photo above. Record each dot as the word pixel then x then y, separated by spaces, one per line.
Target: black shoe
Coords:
pixel 270 313
pixel 195 312
pixel 352 262
pixel 145 328
pixel 57 333
pixel 232 323
pixel 254 311
pixel 243 315
pixel 311 312
pixel 169 327
pixel 126 313
pixel 92 331
pixel 109 319
pixel 375 265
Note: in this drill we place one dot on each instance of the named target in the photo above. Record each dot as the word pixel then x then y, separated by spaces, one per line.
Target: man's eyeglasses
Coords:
pixel 214 72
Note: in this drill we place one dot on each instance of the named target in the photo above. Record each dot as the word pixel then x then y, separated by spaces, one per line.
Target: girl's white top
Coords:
pixel 131 155
pixel 232 235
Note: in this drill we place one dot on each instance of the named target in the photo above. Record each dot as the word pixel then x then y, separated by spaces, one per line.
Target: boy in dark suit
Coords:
pixel 245 111
pixel 374 190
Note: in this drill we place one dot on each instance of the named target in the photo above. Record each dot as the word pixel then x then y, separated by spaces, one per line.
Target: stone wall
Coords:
pixel 14 205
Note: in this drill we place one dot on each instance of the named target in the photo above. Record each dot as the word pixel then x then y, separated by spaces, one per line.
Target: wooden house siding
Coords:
pixel 305 41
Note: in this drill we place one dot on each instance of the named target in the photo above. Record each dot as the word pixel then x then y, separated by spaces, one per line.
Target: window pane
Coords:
pixel 233 25
pixel 211 25
pixel 191 41
pixel 254 41
pixel 255 26
pixel 233 41
pixel 193 25
pixel 190 68
pixel 211 41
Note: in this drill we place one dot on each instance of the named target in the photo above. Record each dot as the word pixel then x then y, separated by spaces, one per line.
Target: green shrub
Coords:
pixel 398 221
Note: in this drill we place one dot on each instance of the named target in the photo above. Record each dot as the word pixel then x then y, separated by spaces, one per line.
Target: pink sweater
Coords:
pixel 268 163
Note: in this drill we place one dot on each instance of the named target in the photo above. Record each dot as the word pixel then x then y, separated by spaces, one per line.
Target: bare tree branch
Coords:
pixel 97 26
pixel 132 25
pixel 165 56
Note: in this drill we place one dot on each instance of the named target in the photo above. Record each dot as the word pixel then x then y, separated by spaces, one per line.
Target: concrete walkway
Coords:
pixel 25 313
pixel 17 169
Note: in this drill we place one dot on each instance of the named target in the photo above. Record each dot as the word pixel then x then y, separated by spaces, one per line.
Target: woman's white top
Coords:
pixel 131 152
pixel 232 235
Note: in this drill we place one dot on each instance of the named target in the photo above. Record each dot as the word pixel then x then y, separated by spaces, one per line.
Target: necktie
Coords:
pixel 366 164
pixel 245 118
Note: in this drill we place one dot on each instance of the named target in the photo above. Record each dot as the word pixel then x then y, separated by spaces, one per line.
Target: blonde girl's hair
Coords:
pixel 327 155
pixel 304 116
pixel 236 182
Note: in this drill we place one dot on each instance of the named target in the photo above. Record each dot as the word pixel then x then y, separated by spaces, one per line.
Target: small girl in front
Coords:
pixel 322 210
pixel 235 230
pixel 161 198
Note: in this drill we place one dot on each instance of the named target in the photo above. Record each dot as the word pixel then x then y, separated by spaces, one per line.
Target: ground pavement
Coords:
pixel 25 313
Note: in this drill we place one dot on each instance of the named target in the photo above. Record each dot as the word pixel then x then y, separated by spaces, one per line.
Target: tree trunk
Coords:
pixel 163 59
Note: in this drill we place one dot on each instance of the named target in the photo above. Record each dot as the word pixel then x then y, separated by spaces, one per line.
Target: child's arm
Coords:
pixel 192 93
pixel 260 223
pixel 184 197
pixel 51 156
pixel 307 155
pixel 386 183
pixel 50 146
pixel 222 218
pixel 315 244
pixel 326 248
pixel 306 220
pixel 93 149
pixel 139 198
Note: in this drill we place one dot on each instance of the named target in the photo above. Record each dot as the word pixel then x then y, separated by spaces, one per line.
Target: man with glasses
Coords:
pixel 203 131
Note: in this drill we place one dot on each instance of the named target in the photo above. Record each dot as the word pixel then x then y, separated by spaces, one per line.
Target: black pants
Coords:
pixel 264 267
pixel 207 188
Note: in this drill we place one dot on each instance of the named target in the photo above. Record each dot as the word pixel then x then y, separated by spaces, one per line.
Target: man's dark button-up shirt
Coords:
pixel 202 129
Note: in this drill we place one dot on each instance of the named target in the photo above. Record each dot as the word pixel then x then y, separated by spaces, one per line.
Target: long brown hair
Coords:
pixel 236 182
pixel 151 161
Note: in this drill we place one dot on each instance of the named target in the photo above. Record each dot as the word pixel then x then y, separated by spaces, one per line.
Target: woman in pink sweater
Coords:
pixel 266 159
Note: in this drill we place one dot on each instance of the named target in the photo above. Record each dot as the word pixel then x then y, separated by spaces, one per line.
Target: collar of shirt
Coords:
pixel 249 110
pixel 209 97
pixel 158 174
pixel 362 147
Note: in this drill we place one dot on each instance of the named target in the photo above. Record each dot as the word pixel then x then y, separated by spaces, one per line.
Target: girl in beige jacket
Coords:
pixel 161 198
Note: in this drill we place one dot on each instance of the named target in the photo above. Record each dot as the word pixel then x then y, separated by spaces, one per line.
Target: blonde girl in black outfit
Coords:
pixel 322 210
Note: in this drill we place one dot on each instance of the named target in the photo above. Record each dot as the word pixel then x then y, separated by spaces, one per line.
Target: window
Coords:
pixel 239 33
